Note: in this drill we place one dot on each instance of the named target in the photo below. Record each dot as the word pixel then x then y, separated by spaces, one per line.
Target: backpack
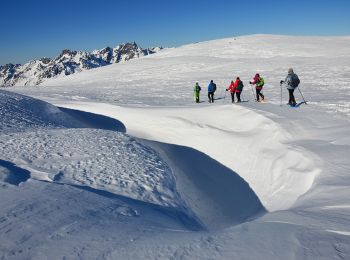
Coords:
pixel 295 81
pixel 260 82
pixel 214 87
pixel 240 86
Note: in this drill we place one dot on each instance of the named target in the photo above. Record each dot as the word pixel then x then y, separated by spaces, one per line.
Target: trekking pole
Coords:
pixel 281 94
pixel 251 85
pixel 302 95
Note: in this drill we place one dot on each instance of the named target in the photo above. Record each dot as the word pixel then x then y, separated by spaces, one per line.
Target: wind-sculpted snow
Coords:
pixel 21 113
pixel 245 141
pixel 101 159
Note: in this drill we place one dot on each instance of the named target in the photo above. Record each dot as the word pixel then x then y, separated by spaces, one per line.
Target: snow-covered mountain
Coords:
pixel 68 62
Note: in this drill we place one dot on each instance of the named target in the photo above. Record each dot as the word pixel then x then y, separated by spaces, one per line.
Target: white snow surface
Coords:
pixel 186 181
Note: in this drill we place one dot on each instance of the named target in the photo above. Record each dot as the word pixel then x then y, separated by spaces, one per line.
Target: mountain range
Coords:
pixel 68 62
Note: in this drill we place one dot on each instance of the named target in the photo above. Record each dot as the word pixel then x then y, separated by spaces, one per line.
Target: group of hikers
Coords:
pixel 236 87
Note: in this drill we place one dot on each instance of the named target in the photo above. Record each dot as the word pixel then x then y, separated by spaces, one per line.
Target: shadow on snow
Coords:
pixel 218 196
pixel 14 174
pixel 96 121
pixel 175 214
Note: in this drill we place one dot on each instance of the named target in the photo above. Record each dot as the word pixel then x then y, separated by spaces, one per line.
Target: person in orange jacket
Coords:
pixel 232 89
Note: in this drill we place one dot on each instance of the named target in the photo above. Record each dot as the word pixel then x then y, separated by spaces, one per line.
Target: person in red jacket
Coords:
pixel 236 88
pixel 259 83
pixel 232 89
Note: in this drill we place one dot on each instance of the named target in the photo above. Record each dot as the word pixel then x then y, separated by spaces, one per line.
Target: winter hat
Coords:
pixel 290 71
pixel 257 75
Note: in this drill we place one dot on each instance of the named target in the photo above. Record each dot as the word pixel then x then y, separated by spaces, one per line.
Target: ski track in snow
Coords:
pixel 81 202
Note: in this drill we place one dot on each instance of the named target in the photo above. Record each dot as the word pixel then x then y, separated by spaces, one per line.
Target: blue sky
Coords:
pixel 33 29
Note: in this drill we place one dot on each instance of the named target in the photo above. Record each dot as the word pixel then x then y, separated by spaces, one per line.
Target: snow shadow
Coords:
pixel 13 175
pixel 218 196
pixel 96 121
pixel 146 208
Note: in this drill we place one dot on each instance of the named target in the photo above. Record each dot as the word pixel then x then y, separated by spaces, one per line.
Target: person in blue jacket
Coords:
pixel 211 91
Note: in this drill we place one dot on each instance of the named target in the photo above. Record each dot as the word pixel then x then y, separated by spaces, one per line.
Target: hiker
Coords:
pixel 292 82
pixel 211 91
pixel 259 83
pixel 232 90
pixel 196 90
pixel 236 87
pixel 239 88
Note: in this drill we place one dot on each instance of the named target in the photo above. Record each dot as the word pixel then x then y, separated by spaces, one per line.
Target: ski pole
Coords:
pixel 224 96
pixel 281 94
pixel 253 92
pixel 302 95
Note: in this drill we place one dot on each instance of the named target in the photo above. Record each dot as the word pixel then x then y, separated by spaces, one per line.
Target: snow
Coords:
pixel 95 158
pixel 265 168
pixel 132 168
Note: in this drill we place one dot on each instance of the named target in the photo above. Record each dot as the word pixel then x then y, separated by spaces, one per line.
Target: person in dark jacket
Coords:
pixel 292 81
pixel 239 88
pixel 211 91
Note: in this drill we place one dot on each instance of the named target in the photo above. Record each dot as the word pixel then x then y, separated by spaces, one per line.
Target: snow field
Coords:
pixel 167 78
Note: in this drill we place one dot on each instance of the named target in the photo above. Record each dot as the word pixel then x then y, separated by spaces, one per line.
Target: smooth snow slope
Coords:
pixel 293 159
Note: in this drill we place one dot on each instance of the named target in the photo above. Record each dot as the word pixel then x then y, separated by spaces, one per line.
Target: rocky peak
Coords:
pixel 45 60
pixel 68 52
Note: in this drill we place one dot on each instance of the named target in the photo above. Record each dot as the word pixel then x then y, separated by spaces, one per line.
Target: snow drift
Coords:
pixel 250 144
pixel 66 153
